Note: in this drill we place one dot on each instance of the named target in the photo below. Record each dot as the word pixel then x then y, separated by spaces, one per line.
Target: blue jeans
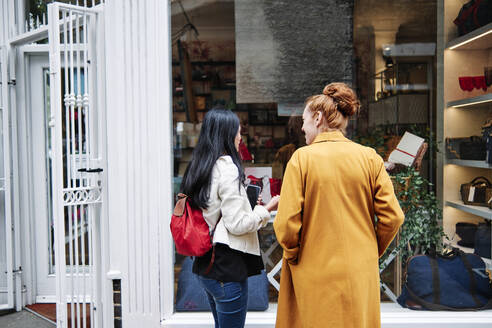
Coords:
pixel 228 300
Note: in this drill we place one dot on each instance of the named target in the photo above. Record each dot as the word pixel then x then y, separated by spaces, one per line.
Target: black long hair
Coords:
pixel 219 130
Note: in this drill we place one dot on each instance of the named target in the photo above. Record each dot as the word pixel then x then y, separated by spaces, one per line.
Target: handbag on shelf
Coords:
pixel 477 192
pixel 482 240
pixel 466 231
pixel 471 148
pixel 455 281
pixel 488 146
pixel 473 14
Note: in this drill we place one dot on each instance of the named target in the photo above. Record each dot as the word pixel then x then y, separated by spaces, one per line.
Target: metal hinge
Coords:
pixel 12 82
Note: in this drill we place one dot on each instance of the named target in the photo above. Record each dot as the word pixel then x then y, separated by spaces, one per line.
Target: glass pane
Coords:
pixel 49 161
pixel 213 83
pixel 392 65
pixel 395 55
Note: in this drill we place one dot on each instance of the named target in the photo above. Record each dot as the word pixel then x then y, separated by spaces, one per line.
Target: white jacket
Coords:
pixel 239 223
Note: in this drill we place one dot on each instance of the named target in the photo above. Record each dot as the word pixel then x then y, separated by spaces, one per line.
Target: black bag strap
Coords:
pixel 473 281
pixel 482 179
pixel 440 307
pixel 436 285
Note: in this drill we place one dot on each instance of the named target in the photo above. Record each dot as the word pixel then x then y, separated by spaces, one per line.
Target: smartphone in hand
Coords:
pixel 253 193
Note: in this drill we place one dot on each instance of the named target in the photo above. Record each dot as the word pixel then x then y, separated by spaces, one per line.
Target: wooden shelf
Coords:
pixel 477 164
pixel 471 102
pixel 479 39
pixel 481 211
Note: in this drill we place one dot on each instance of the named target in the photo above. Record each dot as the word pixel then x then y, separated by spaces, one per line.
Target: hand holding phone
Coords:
pixel 253 193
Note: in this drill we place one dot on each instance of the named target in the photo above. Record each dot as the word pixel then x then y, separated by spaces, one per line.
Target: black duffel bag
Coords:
pixel 456 281
pixel 466 231
pixel 482 240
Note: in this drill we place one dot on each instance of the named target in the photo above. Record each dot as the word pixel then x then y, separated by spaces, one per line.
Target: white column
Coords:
pixel 138 94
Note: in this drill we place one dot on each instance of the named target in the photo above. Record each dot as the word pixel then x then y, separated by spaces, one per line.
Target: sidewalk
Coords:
pixel 23 319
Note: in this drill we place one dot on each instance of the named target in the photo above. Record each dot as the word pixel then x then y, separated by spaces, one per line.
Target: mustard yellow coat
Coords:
pixel 331 191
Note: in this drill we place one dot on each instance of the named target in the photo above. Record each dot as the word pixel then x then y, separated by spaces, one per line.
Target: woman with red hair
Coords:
pixel 332 190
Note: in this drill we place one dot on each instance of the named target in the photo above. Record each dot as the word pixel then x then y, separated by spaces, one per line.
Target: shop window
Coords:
pixel 395 78
pixel 394 63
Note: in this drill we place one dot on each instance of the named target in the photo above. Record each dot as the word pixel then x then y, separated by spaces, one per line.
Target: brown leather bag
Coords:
pixel 477 192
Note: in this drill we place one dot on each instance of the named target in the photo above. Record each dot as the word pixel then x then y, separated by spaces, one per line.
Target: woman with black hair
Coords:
pixel 214 182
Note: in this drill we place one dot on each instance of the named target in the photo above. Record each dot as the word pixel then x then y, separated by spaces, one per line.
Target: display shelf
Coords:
pixel 471 102
pixel 477 164
pixel 469 250
pixel 479 39
pixel 481 211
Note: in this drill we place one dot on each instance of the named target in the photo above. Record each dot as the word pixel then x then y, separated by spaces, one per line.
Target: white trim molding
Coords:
pixel 392 316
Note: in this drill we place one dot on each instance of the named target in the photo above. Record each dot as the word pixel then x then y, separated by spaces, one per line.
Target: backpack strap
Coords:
pixel 212 258
pixel 180 205
pixel 211 263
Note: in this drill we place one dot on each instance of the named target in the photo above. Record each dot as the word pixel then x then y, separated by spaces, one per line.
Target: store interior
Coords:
pixel 396 72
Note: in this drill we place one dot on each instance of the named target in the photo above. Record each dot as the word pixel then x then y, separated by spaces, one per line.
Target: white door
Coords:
pixel 77 238
pixel 39 112
pixel 77 160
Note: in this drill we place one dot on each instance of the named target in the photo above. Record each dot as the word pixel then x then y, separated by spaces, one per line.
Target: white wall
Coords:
pixel 139 153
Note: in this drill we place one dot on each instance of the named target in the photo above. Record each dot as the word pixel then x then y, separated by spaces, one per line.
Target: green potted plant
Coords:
pixel 422 230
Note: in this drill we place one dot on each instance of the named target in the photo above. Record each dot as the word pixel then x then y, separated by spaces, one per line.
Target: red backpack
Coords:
pixel 190 231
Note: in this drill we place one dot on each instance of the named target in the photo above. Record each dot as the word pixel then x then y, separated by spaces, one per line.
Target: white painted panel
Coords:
pixel 6 219
pixel 3 221
pixel 139 154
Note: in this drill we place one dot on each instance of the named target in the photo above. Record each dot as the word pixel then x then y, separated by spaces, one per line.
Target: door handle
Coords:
pixel 88 170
